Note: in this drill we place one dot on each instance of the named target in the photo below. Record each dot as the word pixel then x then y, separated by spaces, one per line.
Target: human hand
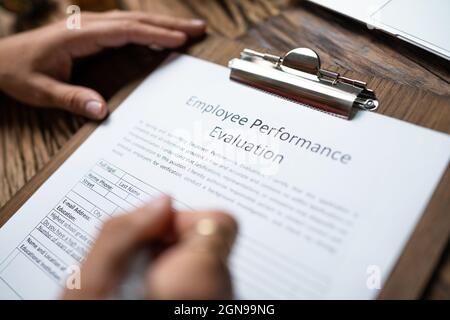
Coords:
pixel 191 262
pixel 35 65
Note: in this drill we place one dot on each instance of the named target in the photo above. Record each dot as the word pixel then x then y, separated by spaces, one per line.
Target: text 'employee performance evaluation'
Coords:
pixel 280 133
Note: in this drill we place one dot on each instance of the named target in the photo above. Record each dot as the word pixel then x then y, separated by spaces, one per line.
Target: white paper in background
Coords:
pixel 310 226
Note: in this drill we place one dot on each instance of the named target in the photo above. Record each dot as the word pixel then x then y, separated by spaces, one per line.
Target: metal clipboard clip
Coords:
pixel 298 76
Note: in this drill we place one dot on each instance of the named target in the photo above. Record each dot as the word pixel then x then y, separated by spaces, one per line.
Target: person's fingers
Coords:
pixel 188 222
pixel 117 242
pixel 96 36
pixel 49 92
pixel 192 27
pixel 203 248
pixel 120 235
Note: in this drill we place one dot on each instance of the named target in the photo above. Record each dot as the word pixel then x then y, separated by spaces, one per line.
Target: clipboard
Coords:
pixel 415 266
pixel 298 76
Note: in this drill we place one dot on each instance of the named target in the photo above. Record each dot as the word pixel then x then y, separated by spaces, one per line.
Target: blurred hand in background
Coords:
pixel 36 65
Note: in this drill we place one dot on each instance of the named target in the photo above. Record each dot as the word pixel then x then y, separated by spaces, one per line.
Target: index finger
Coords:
pixel 192 27
pixel 95 36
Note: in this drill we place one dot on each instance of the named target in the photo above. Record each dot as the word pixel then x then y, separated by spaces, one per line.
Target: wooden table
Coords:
pixel 29 138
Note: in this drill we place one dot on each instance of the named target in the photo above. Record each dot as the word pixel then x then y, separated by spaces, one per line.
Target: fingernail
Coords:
pixel 160 202
pixel 94 108
pixel 156 47
pixel 198 22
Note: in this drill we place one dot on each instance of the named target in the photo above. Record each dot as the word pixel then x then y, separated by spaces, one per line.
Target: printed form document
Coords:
pixel 324 204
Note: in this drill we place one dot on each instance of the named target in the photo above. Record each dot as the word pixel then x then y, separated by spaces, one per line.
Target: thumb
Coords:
pixel 75 99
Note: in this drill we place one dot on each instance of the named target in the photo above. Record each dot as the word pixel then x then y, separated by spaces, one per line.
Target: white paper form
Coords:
pixel 324 205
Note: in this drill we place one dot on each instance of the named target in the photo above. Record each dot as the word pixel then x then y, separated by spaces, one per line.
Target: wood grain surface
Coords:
pixel 29 138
